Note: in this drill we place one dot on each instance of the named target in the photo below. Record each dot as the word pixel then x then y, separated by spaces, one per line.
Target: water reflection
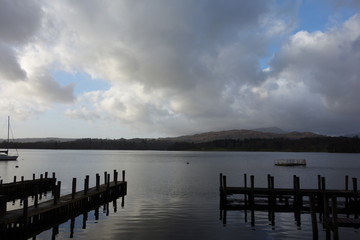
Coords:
pixel 37 230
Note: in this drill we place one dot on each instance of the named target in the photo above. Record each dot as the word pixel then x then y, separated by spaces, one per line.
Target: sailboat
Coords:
pixel 4 154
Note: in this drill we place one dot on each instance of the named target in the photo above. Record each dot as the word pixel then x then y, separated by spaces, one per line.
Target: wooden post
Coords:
pixel 22 178
pixel 41 176
pixel 115 176
pixel 46 174
pixel 57 192
pixel 14 179
pixel 224 216
pixel 3 204
pixel 33 176
pixel 355 197
pixel 25 211
pixel 297 200
pixel 294 186
pixel 58 189
pixel 269 187
pixel 115 205
pixel 221 191
pixel 334 218
pixel 252 200
pixel 326 208
pixel 96 213
pixel 245 186
pixel 123 175
pixel 313 217
pixel 73 191
pixel 36 200
pixel 224 186
pixel 273 201
pixel 269 196
pixel 85 216
pixel 55 231
pixel 72 226
pixel 221 183
pixel 298 193
pixel 347 198
pixel 97 181
pixel 108 180
pixel 86 184
pixel 105 177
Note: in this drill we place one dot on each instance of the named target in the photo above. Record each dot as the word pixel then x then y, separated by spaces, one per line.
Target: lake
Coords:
pixel 175 195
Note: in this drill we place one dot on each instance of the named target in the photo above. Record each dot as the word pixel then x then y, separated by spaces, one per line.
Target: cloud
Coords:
pixel 183 55
pixel 19 20
pixel 10 69
pixel 198 64
pixel 324 65
pixel 327 64
pixel 182 66
pixel 27 85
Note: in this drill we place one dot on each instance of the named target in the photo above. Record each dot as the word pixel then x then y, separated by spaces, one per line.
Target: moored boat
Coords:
pixel 4 154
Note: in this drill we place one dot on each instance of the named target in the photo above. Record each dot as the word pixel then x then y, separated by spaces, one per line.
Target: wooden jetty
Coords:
pixel 297 200
pixel 23 188
pixel 32 219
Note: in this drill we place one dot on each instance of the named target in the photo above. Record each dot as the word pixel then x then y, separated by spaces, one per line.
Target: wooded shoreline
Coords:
pixel 317 144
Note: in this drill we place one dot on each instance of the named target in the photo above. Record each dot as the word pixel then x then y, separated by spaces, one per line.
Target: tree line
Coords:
pixel 320 144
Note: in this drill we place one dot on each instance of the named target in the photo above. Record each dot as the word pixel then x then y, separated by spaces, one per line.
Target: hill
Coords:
pixel 241 135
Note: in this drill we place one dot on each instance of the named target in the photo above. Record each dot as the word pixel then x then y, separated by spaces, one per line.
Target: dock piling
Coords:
pixel 313 217
pixel 73 191
pixel 251 199
pixel 355 197
pixel 97 181
pixel 25 211
pixel 86 184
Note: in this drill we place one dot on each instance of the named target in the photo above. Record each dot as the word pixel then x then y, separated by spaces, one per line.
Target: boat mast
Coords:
pixel 8 135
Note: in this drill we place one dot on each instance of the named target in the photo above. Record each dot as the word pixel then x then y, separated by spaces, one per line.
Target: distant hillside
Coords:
pixel 241 135
pixel 48 139
pixel 270 130
pixel 233 140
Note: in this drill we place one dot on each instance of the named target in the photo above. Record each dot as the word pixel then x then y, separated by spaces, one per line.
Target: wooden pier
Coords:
pixel 33 219
pixel 298 200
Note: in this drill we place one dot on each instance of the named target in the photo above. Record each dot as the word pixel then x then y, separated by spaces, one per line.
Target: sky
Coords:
pixel 138 68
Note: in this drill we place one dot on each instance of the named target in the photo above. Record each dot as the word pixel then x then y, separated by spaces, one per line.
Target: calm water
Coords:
pixel 170 199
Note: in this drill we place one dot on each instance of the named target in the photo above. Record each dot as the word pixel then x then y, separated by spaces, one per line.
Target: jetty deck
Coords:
pixel 328 203
pixel 18 190
pixel 40 215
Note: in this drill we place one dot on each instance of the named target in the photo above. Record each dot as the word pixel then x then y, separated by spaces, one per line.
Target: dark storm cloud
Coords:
pixel 19 20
